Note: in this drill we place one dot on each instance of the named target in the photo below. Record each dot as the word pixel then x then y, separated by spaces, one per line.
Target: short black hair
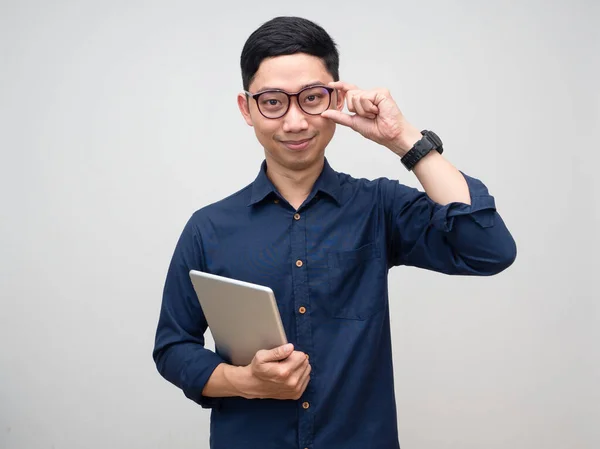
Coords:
pixel 285 36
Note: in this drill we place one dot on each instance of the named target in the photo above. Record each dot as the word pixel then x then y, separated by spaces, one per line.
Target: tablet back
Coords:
pixel 243 317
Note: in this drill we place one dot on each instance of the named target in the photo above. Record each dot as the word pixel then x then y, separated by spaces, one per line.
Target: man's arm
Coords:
pixel 225 381
pixel 179 351
pixel 456 238
pixel 453 227
pixel 202 375
pixel 378 118
pixel 442 182
pixel 279 373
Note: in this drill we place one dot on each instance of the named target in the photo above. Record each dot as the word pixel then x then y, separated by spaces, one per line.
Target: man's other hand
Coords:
pixel 279 373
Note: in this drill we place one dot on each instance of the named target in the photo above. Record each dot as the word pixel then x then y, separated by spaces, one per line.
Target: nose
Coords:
pixel 295 119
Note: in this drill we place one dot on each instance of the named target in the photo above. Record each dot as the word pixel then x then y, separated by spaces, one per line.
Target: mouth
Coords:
pixel 296 145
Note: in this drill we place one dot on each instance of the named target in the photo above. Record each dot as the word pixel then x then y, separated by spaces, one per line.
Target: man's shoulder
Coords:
pixel 225 207
pixel 357 192
pixel 352 184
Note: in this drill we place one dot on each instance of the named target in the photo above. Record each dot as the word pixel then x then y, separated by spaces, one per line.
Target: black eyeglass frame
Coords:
pixel 257 95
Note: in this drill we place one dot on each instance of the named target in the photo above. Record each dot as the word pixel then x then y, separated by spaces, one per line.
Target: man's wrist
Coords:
pixel 240 380
pixel 406 141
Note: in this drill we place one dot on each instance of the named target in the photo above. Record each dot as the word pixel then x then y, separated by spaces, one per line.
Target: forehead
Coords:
pixel 289 72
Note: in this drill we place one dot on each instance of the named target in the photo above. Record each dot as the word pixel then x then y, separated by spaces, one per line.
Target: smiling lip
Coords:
pixel 296 144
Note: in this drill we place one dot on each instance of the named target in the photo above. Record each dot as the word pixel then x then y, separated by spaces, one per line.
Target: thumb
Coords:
pixel 338 117
pixel 278 353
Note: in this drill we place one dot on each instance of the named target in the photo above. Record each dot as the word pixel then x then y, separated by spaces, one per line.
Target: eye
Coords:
pixel 314 95
pixel 270 102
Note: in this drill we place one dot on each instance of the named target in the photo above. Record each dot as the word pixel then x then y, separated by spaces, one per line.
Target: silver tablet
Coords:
pixel 243 317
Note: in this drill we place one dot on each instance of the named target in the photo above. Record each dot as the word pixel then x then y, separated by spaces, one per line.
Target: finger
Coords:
pixel 339 117
pixel 377 96
pixel 306 380
pixel 298 381
pixel 291 367
pixel 350 101
pixel 306 372
pixel 297 378
pixel 276 354
pixel 296 361
pixel 358 106
pixel 369 107
pixel 343 86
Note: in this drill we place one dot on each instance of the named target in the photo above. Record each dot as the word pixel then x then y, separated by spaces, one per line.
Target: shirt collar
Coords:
pixel 327 183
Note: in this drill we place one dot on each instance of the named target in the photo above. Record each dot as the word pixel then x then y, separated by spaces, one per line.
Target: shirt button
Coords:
pixel 302 309
pixel 299 263
pixel 296 216
pixel 276 201
pixel 305 405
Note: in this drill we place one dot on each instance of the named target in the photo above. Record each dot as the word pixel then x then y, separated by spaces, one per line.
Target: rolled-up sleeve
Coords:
pixel 454 239
pixel 179 351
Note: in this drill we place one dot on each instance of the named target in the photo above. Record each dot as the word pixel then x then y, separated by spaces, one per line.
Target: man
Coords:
pixel 324 242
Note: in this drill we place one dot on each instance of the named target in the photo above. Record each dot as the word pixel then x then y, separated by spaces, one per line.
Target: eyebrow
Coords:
pixel 312 83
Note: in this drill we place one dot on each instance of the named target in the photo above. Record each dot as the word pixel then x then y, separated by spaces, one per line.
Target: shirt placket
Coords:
pixel 303 324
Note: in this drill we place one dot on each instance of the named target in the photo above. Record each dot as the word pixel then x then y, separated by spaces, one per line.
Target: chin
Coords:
pixel 300 165
pixel 300 160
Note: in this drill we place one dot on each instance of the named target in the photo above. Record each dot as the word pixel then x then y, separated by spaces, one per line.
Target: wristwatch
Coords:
pixel 430 141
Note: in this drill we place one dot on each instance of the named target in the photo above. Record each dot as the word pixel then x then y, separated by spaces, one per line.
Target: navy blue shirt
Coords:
pixel 347 235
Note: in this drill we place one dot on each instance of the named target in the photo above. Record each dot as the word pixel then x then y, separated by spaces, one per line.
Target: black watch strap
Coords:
pixel 430 141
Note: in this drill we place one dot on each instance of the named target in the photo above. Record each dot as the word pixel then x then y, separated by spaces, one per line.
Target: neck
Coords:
pixel 294 186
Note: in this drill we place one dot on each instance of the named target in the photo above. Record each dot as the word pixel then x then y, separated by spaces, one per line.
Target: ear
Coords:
pixel 242 102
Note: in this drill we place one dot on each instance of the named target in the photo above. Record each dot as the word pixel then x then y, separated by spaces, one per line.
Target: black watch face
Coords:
pixel 428 144
pixel 437 142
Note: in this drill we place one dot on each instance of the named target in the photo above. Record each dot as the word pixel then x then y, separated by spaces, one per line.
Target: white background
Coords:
pixel 118 120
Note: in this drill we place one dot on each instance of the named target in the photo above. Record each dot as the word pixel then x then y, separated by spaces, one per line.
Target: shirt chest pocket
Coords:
pixel 356 283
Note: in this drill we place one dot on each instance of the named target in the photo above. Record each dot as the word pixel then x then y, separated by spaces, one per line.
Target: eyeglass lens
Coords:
pixel 313 100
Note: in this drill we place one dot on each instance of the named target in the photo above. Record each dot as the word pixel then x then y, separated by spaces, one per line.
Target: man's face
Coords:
pixel 297 140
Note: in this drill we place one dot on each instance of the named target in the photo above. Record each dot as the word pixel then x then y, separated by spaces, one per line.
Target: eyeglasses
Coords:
pixel 313 100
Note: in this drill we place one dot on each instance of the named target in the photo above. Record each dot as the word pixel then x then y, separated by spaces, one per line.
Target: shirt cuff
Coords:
pixel 193 387
pixel 482 208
